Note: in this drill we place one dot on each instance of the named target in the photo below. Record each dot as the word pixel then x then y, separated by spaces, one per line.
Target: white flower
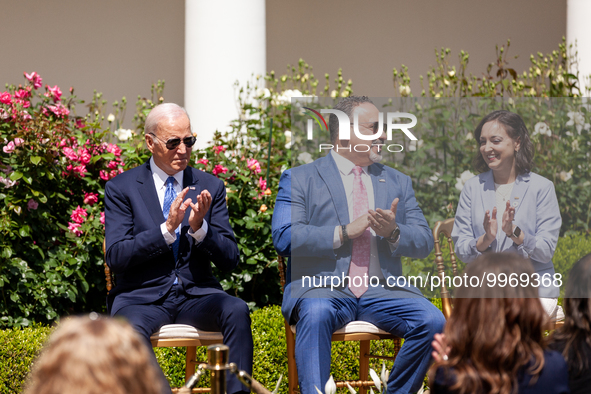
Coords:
pixel 468 137
pixel 384 375
pixel 414 145
pixel 577 119
pixel 351 389
pixel 433 179
pixel 285 97
pixel 575 145
pixel 461 181
pixel 542 128
pixel 263 93
pixel 123 134
pixel 3 114
pixel 305 157
pixel 404 90
pixel 330 387
pixel 287 139
pixel 375 378
pixel 451 73
pixel 333 94
pixel 565 176
pixel 111 118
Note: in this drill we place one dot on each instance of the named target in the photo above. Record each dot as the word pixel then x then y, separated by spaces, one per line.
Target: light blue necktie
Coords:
pixel 169 197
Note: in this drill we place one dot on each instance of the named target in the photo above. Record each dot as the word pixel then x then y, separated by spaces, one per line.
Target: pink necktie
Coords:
pixel 361 246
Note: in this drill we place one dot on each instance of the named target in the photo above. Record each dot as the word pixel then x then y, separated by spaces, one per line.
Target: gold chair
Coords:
pixel 445 227
pixel 178 335
pixel 361 331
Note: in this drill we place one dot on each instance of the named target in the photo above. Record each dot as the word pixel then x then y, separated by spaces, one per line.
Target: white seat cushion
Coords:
pixel 357 326
pixel 185 331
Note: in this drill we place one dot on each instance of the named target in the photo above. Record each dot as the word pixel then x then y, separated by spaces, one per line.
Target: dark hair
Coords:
pixel 495 331
pixel 515 128
pixel 346 105
pixel 576 331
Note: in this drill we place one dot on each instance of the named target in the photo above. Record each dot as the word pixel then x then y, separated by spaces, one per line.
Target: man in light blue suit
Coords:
pixel 345 218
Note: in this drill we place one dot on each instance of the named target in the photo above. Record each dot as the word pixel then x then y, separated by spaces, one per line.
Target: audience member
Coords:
pixel 94 356
pixel 494 339
pixel 573 339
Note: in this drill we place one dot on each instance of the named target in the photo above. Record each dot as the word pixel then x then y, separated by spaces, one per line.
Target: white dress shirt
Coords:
pixel 345 168
pixel 160 178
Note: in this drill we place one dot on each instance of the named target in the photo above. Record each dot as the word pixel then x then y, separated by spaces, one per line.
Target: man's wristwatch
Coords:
pixel 345 235
pixel 516 232
pixel 394 236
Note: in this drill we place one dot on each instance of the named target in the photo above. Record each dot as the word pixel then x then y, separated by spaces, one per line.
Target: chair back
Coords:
pixel 445 227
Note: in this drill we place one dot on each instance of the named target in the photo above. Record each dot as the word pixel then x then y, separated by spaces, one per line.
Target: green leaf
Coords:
pixel 35 159
pixel 16 176
pixel 25 231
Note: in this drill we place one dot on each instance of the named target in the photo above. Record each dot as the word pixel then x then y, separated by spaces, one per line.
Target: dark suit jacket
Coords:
pixel 137 252
pixel 319 203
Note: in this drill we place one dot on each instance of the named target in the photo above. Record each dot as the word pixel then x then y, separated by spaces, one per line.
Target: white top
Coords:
pixel 160 178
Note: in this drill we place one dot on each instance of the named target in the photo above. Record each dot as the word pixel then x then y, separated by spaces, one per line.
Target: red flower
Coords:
pixel 262 183
pixel 104 175
pixel 219 169
pixel 114 149
pixel 218 149
pixel 54 92
pixel 203 161
pixel 69 153
pixel 22 94
pixel 90 198
pixel 5 98
pixel 84 156
pixel 79 215
pixel 75 228
pixel 35 78
pixel 102 218
pixel 59 110
pixel 253 165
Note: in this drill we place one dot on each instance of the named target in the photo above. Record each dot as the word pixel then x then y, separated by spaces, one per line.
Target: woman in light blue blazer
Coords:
pixel 509 208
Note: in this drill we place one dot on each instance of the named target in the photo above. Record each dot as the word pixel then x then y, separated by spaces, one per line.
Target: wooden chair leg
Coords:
pixel 190 362
pixel 363 364
pixel 292 372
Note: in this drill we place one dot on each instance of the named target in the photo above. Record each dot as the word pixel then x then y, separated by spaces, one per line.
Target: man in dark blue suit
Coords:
pixel 346 220
pixel 165 223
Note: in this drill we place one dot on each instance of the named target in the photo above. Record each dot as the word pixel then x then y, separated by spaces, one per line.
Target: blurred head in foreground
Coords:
pixel 88 356
pixel 495 329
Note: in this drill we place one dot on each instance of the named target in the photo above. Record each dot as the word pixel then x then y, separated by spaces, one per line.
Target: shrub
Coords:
pixel 19 348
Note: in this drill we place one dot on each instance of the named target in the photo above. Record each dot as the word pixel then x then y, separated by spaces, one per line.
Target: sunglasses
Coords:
pixel 174 142
pixel 373 126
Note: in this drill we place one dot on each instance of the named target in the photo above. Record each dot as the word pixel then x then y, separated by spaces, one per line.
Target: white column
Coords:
pixel 578 28
pixel 224 42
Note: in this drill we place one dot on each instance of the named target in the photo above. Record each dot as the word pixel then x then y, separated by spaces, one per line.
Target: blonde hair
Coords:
pixel 92 356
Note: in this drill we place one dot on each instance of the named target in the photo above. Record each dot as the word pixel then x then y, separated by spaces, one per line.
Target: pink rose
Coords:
pixel 203 161
pixel 79 215
pixel 219 169
pixel 104 175
pixel 75 228
pixel 22 94
pixel 9 148
pixel 218 149
pixel 59 110
pixel 90 198
pixel 69 153
pixel 262 183
pixel 18 141
pixel 112 165
pixel 26 116
pixel 84 156
pixel 102 218
pixel 32 204
pixel 35 78
pixel 113 173
pixel 55 92
pixel 253 165
pixel 81 170
pixel 5 98
pixel 114 149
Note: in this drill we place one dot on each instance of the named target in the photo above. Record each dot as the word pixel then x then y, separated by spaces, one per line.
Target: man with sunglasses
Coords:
pixel 165 223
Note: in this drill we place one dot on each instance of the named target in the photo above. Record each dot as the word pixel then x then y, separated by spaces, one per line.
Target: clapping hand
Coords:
pixel 440 347
pixel 177 211
pixel 490 226
pixel 508 217
pixel 199 210
pixel 383 221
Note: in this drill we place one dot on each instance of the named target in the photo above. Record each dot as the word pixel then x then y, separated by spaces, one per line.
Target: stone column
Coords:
pixel 224 42
pixel 578 28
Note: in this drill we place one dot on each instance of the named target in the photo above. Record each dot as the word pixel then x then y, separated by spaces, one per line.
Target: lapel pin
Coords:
pixel 515 204
pixel 191 187
pixel 382 180
pixel 517 198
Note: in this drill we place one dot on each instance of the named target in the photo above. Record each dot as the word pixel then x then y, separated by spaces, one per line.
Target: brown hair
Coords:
pixel 494 331
pixel 86 356
pixel 516 130
pixel 576 331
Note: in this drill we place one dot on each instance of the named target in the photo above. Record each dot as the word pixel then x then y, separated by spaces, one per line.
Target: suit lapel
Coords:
pixel 519 190
pixel 328 171
pixel 380 189
pixel 148 192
